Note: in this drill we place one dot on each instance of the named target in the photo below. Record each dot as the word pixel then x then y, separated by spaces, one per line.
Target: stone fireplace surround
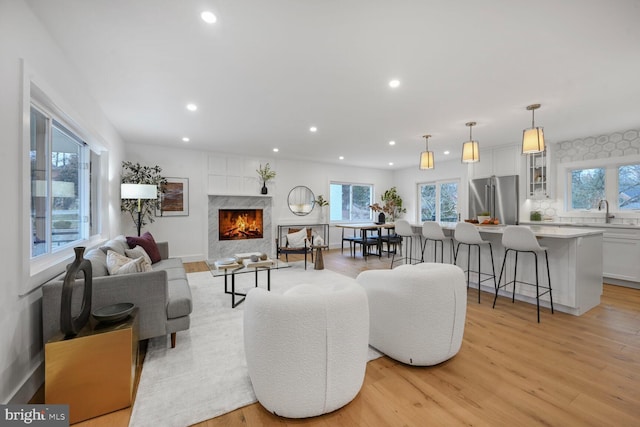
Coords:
pixel 227 248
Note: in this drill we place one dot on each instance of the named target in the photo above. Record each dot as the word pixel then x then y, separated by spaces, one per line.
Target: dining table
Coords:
pixel 367 235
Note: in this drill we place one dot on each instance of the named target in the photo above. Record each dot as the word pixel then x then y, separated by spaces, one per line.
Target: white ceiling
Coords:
pixel 268 70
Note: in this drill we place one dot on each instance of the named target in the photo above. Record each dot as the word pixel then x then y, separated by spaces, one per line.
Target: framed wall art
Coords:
pixel 174 198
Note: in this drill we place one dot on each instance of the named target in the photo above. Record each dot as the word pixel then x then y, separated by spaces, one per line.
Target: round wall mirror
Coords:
pixel 301 200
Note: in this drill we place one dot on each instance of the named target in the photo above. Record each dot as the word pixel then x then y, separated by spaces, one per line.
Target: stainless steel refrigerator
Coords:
pixel 497 195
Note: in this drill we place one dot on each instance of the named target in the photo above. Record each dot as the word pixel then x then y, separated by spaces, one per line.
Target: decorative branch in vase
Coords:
pixel 392 206
pixel 320 201
pixel 265 173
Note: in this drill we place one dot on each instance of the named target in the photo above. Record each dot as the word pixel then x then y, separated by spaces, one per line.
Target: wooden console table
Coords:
pixel 93 372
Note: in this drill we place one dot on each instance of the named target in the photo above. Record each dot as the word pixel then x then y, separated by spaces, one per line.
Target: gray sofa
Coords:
pixel 163 295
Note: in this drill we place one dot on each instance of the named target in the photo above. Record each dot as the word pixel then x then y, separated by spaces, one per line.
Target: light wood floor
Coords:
pixel 510 371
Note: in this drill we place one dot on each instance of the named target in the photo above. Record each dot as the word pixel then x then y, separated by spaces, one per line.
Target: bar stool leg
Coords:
pixel 479 271
pixel 535 257
pixel 504 261
pixel 546 255
pixel 515 272
pixel 493 268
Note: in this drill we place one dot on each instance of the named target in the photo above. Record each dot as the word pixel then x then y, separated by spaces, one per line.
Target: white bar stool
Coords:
pixel 432 231
pixel 467 234
pixel 404 230
pixel 518 238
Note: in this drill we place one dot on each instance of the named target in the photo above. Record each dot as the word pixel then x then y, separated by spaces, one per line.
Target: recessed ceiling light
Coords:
pixel 394 83
pixel 341 158
pixel 208 17
pixel 313 129
pixel 390 163
pixel 192 107
pixel 446 153
pixel 185 139
pixel 392 143
pixel 275 150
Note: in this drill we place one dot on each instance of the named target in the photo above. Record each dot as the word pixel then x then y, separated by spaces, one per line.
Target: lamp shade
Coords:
pixel 138 191
pixel 532 140
pixel 470 152
pixel 426 160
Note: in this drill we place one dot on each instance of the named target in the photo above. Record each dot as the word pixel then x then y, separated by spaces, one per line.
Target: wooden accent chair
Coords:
pixel 284 247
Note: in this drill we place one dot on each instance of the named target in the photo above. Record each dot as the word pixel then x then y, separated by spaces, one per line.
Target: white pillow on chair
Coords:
pixel 297 239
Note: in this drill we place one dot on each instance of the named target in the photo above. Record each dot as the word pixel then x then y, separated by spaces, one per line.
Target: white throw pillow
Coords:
pixel 120 264
pixel 297 239
pixel 138 252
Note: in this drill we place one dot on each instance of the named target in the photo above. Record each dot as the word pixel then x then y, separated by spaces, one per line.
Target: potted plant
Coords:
pixel 265 173
pixel 484 216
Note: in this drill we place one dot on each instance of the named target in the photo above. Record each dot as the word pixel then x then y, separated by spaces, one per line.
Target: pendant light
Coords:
pixel 426 157
pixel 533 138
pixel 470 149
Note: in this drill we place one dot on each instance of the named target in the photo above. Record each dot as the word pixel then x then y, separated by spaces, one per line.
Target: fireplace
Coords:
pixel 240 224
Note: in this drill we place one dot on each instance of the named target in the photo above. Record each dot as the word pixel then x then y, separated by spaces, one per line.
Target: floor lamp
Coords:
pixel 139 191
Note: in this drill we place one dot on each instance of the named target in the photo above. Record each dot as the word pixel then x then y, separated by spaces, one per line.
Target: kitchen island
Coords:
pixel 575 263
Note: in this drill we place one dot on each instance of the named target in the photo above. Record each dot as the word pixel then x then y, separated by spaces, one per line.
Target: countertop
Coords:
pixel 539 230
pixel 577 224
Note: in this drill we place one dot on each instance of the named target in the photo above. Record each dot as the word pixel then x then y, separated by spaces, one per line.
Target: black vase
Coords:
pixel 381 218
pixel 69 325
pixel 264 188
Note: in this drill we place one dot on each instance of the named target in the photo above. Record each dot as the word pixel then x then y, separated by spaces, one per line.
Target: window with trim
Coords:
pixel 629 187
pixel 438 201
pixel 64 185
pixel 587 187
pixel 350 202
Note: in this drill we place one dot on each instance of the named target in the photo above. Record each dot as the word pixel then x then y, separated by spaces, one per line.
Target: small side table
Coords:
pixel 93 372
pixel 319 262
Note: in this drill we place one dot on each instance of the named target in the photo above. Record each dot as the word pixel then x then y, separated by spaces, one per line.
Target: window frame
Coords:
pixel 438 185
pixel 611 166
pixel 36 271
pixel 83 183
pixel 352 221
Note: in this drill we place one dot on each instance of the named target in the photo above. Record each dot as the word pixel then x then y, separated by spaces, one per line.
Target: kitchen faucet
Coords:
pixel 607 217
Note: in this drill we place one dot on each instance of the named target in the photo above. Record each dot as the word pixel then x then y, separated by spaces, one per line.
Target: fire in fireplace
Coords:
pixel 239 224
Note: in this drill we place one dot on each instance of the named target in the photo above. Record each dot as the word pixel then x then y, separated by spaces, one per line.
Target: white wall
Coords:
pixel 23 37
pixel 406 181
pixel 187 235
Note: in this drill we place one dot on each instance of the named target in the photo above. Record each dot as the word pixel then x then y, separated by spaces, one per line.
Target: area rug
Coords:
pixel 205 375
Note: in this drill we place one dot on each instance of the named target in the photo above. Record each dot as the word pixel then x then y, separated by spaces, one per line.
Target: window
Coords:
pixel 64 185
pixel 438 201
pixel 629 187
pixel 587 187
pixel 350 202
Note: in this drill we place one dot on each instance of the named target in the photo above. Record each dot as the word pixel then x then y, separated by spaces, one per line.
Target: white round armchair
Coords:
pixel 417 312
pixel 307 349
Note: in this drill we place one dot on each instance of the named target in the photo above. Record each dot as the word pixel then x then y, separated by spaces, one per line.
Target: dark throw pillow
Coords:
pixel 147 243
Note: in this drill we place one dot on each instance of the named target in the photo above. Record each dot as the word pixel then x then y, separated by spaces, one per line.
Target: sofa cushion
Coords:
pixel 297 239
pixel 120 264
pixel 98 262
pixel 117 244
pixel 168 263
pixel 137 252
pixel 148 244
pixel 179 298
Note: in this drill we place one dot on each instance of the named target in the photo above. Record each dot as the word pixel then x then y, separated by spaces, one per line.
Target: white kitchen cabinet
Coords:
pixel 498 161
pixel 538 175
pixel 621 254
